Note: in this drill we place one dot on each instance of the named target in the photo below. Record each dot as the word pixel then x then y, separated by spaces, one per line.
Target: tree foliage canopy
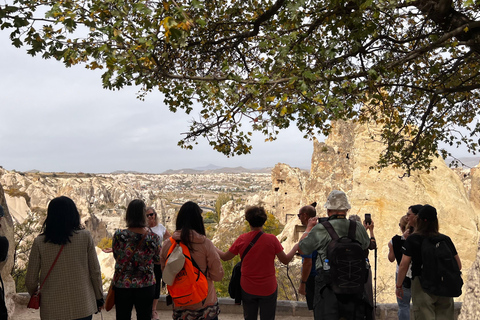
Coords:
pixel 410 66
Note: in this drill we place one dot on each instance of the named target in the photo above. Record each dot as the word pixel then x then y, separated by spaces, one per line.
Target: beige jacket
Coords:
pixel 204 255
pixel 71 289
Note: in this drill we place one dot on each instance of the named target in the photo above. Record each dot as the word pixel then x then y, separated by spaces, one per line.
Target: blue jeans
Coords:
pixel 404 304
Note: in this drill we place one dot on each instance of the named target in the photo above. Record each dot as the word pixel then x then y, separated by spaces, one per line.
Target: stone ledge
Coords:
pixel 385 311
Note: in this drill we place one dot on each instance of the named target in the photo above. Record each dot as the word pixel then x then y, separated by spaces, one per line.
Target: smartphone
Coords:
pixel 368 218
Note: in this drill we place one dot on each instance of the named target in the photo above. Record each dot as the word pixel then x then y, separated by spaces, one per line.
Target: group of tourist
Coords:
pixel 63 261
pixel 140 252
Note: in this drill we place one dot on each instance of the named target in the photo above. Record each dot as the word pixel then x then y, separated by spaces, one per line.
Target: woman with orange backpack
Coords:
pixel 190 236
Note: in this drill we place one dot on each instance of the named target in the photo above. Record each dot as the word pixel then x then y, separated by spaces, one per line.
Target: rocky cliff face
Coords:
pixel 6 230
pixel 471 291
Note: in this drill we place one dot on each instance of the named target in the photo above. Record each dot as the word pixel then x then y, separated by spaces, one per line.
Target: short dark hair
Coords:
pixel 136 214
pixel 309 210
pixel 415 208
pixel 189 218
pixel 256 216
pixel 62 220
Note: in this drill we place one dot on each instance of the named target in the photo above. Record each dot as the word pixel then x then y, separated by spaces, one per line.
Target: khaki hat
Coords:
pixel 175 263
pixel 337 200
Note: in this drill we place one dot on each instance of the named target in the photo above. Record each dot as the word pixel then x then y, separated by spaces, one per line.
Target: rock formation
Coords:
pixel 6 230
pixel 100 199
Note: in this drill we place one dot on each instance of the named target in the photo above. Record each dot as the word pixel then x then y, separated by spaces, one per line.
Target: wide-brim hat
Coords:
pixel 337 200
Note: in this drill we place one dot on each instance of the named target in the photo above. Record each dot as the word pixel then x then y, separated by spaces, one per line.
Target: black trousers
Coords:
pixel 331 306
pixel 141 298
pixel 252 304
pixel 310 291
pixel 157 270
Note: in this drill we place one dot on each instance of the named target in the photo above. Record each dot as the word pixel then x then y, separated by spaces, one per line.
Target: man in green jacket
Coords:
pixel 327 304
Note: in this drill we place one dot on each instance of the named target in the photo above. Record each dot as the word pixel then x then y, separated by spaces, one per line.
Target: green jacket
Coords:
pixel 318 238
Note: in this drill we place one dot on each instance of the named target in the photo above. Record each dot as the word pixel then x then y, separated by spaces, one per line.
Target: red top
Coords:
pixel 258 267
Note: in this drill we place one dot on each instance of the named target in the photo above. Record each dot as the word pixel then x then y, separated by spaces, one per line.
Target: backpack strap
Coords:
pixel 328 226
pixel 251 244
pixel 187 256
pixel 352 229
pixel 170 250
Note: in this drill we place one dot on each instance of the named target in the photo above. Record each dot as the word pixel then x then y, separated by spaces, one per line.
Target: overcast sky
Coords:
pixel 54 118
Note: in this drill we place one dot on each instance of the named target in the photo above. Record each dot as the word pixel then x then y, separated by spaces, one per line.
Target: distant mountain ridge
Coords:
pixel 212 169
pixel 468 162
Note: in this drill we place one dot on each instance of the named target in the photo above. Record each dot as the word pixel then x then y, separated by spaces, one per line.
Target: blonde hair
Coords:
pixel 403 223
pixel 155 212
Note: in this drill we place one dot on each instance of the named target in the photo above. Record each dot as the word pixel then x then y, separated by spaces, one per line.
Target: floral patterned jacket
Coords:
pixel 137 271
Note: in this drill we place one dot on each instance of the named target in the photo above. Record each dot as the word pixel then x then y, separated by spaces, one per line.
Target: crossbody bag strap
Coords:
pixel 251 244
pixel 53 264
pixel 136 248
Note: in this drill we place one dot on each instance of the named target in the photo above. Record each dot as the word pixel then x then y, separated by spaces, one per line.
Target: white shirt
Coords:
pixel 160 230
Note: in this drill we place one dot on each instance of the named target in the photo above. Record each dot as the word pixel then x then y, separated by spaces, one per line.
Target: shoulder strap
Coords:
pixel 187 255
pixel 328 226
pixel 170 250
pixel 352 229
pixel 251 244
pixel 53 264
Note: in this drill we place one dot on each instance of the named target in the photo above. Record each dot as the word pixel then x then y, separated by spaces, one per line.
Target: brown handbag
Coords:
pixel 110 300
pixel 34 302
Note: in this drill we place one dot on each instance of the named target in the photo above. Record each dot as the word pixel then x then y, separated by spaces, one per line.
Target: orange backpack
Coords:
pixel 190 285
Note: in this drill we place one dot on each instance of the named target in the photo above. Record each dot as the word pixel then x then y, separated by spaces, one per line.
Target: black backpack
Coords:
pixel 441 275
pixel 348 268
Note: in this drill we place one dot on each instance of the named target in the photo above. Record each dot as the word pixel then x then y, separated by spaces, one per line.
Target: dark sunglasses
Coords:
pixel 150 214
